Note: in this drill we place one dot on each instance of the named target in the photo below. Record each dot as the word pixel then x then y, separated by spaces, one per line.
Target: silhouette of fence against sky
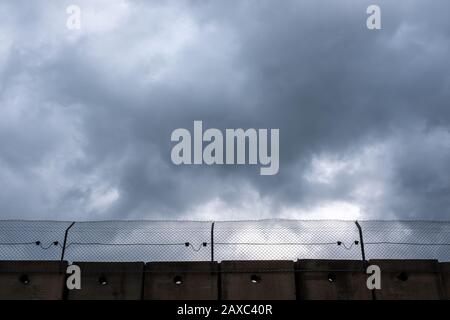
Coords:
pixel 274 239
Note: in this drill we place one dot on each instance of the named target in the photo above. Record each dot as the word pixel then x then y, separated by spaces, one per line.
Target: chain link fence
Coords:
pixel 127 241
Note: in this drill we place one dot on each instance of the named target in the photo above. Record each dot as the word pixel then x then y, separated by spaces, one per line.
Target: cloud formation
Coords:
pixel 86 116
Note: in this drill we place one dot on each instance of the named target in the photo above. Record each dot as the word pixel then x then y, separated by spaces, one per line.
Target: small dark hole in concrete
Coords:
pixel 178 280
pixel 331 277
pixel 24 279
pixel 255 279
pixel 102 280
pixel 402 276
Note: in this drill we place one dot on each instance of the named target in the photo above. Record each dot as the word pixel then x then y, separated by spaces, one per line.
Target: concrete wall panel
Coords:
pixel 331 280
pixel 258 280
pixel 109 281
pixel 32 280
pixel 181 281
pixel 409 280
pixel 445 276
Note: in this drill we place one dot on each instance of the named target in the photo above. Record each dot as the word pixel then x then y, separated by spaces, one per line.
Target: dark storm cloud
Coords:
pixel 87 115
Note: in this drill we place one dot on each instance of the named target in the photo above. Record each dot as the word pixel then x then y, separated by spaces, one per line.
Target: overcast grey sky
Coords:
pixel 86 115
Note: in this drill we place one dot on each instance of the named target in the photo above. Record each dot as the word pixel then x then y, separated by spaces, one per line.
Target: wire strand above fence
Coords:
pixel 277 239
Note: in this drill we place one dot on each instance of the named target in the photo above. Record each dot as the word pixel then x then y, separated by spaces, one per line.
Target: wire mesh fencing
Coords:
pixel 407 239
pixel 138 241
pixel 157 241
pixel 32 240
pixel 286 240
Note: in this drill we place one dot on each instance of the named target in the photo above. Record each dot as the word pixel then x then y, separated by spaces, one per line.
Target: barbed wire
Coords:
pixel 275 239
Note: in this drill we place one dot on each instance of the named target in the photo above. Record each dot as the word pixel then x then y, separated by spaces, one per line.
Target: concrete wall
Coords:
pixel 181 281
pixel 445 276
pixel 109 281
pixel 331 280
pixel 257 280
pixel 409 280
pixel 32 280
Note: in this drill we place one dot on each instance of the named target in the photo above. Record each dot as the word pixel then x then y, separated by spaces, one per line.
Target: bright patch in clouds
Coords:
pixel 100 200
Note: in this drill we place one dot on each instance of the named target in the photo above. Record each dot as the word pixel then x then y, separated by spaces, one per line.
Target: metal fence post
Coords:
pixel 361 241
pixel 65 240
pixel 212 241
pixel 363 254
